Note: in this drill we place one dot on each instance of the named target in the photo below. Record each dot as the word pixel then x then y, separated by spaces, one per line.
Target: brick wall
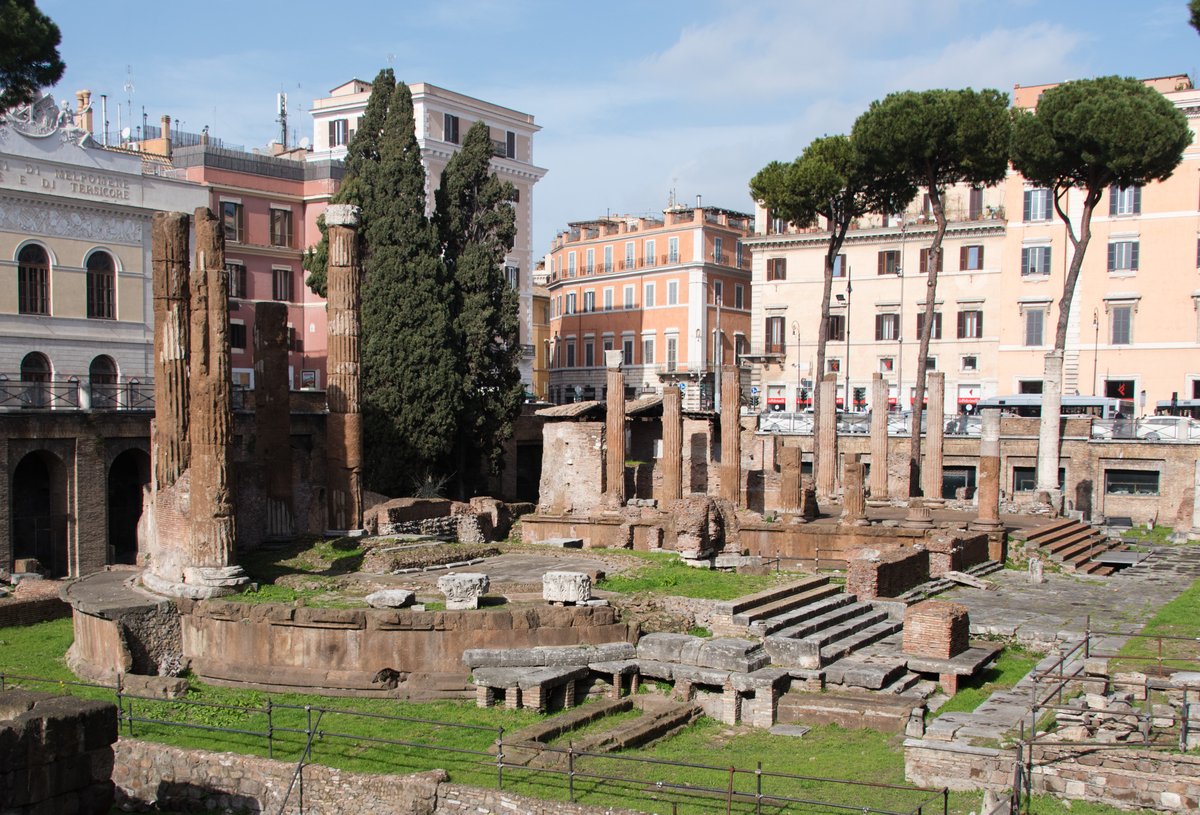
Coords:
pixel 15 611
pixel 936 629
pixel 955 551
pixel 894 572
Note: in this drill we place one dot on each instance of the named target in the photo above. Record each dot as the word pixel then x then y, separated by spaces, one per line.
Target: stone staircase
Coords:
pixel 809 624
pixel 1074 544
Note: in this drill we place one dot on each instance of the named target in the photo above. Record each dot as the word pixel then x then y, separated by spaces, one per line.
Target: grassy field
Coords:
pixel 1009 668
pixel 666 574
pixel 1178 618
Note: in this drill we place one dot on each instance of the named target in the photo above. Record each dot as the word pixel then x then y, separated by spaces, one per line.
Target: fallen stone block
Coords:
pixel 463 589
pixel 390 598
pixel 566 587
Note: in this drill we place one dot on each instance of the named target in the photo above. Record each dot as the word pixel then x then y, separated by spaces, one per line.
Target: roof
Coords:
pixel 571 410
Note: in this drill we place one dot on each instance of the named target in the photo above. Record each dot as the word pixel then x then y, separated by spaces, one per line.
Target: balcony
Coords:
pixel 1148 428
pixel 74 394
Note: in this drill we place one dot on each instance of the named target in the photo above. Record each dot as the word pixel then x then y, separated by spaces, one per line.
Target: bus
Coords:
pixel 1178 407
pixel 1030 404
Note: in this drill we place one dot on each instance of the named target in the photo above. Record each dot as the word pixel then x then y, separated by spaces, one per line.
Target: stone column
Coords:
pixel 935 429
pixel 826 442
pixel 344 439
pixel 789 479
pixel 731 435
pixel 987 489
pixel 614 431
pixel 879 439
pixel 1194 533
pixel 272 417
pixel 672 446
pixel 169 261
pixel 854 503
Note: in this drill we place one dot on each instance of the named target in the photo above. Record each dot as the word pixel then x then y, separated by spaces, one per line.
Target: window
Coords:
pixel 837 327
pixel 673 250
pixel 281 288
pixel 607 344
pixel 570 264
pixel 718 253
pixel 1029 386
pixel 648 300
pixel 648 252
pixel 627 293
pixel 672 353
pixel 970 258
pixel 975 203
pixel 513 275
pixel 591 261
pixel 1038 206
pixel 970 363
pixel 339 133
pixel 510 144
pixel 834 365
pixel 589 300
pixel 1025 478
pixel 887 327
pixel 1122 256
pixel 237 335
pixel 936 332
pixel 740 254
pixel 281 227
pixel 774 336
pixel 570 353
pixel 889 262
pixel 672 292
pixel 647 350
pixel 627 350
pixel 718 292
pixel 101 286
pixel 231 218
pixel 739 296
pixel 102 378
pixel 1035 260
pixel 608 258
pixel 1130 482
pixel 33 280
pixel 776 268
pixel 608 299
pixel 450 127
pixel 589 354
pixel 927 207
pixel 1124 200
pixel 629 255
pixel 1120 325
pixel 571 303
pixel 1035 321
pixel 887 365
pixel 931 363
pixel 236 273
pixel 924 264
pixel 839 266
pixel 970 324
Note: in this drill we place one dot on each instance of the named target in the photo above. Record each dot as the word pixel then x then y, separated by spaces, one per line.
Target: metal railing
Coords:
pixel 898 424
pixel 299 727
pixel 1147 428
pixel 75 394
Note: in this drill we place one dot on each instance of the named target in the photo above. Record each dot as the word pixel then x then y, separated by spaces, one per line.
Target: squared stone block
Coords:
pixel 566 587
pixel 936 629
pixel 463 589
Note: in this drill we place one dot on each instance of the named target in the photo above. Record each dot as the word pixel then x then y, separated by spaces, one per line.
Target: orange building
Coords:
pixel 673 294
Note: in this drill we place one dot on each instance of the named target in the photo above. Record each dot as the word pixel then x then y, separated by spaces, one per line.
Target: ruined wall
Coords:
pixel 572 468
pixel 56 754
pixel 889 574
pixel 15 611
pixel 144 640
pixel 340 649
pixel 955 551
pixel 832 546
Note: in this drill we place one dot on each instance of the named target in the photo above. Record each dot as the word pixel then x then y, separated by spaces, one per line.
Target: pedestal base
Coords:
pixel 199 582
pixel 345 533
pixel 978 525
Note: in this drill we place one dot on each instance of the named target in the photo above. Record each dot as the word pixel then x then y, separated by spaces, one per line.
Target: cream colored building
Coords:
pixel 443 118
pixel 75 276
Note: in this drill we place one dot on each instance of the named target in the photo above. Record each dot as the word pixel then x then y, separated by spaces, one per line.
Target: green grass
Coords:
pixel 666 574
pixel 1178 618
pixel 306 555
pixel 1159 534
pixel 1009 668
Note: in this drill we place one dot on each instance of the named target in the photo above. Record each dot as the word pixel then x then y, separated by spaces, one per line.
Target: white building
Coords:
pixel 442 120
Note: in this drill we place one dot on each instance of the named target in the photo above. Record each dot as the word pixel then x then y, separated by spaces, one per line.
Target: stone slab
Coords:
pixel 561 543
pixel 965 664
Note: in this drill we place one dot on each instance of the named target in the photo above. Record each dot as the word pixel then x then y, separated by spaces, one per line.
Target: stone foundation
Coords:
pixel 887 573
pixel 955 551
pixel 936 629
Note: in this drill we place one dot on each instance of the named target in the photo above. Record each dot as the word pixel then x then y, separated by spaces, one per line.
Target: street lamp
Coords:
pixel 845 300
pixel 1095 346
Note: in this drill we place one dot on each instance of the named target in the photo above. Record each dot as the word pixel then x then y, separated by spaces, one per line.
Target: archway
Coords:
pixel 35 373
pixel 129 473
pixel 102 376
pixel 39 512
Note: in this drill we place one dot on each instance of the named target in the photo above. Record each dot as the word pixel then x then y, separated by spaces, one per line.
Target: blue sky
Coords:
pixel 635 99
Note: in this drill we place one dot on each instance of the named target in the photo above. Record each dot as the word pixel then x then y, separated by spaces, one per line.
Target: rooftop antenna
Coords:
pixel 128 86
pixel 281 107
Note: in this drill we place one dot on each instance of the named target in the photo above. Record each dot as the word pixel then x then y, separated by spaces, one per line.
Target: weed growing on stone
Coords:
pixel 1009 668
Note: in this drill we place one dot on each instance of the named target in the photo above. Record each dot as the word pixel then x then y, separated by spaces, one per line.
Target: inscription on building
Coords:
pixel 80 183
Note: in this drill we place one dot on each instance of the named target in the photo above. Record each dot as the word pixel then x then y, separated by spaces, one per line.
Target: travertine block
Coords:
pixel 566 587
pixel 463 589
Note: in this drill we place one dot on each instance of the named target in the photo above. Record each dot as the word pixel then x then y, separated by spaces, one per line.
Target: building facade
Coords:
pixel 1133 331
pixel 443 118
pixel 672 294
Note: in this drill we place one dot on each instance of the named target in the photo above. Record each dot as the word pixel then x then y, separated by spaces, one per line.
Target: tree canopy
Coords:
pixel 1194 14
pixel 29 58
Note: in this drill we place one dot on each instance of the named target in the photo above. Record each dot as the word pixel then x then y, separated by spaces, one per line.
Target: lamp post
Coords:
pixel 799 370
pixel 900 328
pixel 1095 347
pixel 717 355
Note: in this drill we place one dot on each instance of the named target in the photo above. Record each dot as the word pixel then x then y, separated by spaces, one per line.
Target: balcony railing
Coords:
pixel 898 424
pixel 1148 428
pixel 74 394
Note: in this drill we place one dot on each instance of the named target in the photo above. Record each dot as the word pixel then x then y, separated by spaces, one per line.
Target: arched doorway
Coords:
pixel 127 476
pixel 39 512
pixel 102 376
pixel 35 374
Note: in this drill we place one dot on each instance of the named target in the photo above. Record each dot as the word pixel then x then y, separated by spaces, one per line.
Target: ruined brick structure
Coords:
pixel 271 417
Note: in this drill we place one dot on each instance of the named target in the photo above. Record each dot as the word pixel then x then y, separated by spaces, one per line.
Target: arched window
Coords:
pixel 33 280
pixel 35 373
pixel 103 379
pixel 101 286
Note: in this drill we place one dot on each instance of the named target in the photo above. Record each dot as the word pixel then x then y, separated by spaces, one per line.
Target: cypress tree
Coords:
pixel 476 228
pixel 411 388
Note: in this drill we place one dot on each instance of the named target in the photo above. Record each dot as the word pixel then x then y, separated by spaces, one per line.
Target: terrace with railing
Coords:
pixel 74 393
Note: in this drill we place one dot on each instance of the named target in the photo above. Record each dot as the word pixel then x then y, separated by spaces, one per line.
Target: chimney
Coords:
pixel 83 110
pixel 166 135
pixel 698 204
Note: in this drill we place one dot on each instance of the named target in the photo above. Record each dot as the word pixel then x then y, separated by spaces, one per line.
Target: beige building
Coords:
pixel 443 118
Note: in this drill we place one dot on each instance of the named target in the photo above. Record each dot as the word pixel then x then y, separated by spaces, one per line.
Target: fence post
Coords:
pixel 499 758
pixel 729 793
pixel 270 731
pixel 571 770
pixel 1184 715
pixel 1087 637
pixel 945 801
pixel 758 789
pixel 1 681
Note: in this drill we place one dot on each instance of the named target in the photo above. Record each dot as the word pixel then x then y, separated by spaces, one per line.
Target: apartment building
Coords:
pixel 1134 327
pixel 541 333
pixel 443 118
pixel 672 294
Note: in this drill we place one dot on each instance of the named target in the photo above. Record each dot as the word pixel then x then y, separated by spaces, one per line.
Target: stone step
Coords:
pixel 1081 551
pixel 741 604
pixel 1051 530
pixel 643 730
pixel 860 639
pixel 835 616
pixel 1066 547
pixel 865 618
pixel 871 673
pixel 800 615
pixel 786 603
pixel 905 682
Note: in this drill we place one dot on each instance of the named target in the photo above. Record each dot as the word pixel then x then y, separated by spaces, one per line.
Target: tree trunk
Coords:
pixel 1049 429
pixel 837 236
pixel 933 266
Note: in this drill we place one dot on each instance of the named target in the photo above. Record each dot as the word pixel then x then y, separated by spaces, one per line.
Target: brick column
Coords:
pixel 344 425
pixel 879 438
pixel 935 428
pixel 272 417
pixel 987 490
pixel 169 262
pixel 854 504
pixel 731 435
pixel 88 545
pixel 789 479
pixel 826 442
pixel 672 446
pixel 614 431
pixel 6 550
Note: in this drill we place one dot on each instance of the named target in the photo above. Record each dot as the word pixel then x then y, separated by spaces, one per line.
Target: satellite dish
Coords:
pixel 304 143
